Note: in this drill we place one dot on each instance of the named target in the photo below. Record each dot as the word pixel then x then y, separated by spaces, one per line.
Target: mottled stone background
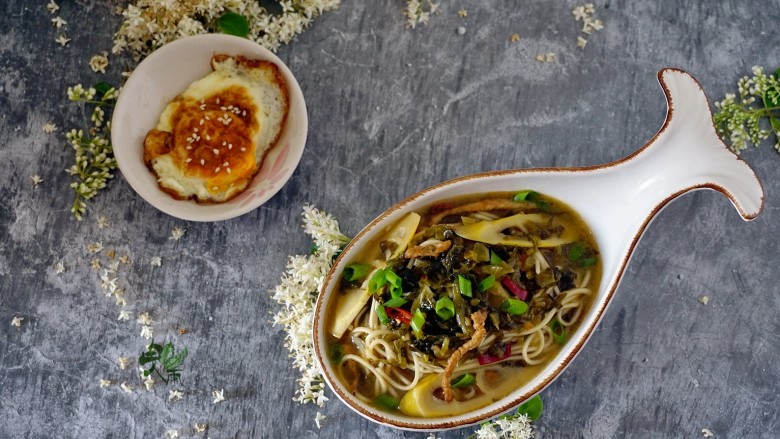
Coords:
pixel 391 111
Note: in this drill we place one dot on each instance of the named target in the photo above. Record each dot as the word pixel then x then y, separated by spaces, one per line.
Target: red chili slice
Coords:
pixel 514 288
pixel 399 314
pixel 488 358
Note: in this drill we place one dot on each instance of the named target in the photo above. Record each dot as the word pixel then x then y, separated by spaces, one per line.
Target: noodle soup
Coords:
pixel 456 306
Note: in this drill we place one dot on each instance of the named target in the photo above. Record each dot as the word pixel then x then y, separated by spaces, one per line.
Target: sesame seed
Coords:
pixel 228 170
pixel 208 137
pixel 243 113
pixel 230 145
pixel 216 151
pixel 225 164
pixel 224 143
pixel 217 101
pixel 201 122
pixel 202 162
pixel 215 187
pixel 190 139
pixel 243 149
pixel 217 169
pixel 206 117
pixel 189 147
pixel 188 160
pixel 202 107
pixel 223 108
pixel 196 130
pixel 230 107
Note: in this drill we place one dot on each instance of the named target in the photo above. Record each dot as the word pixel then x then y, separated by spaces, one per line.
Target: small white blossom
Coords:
pixel 156 261
pixel 200 427
pixel 318 418
pixel 95 264
pixel 95 247
pixel 58 22
pixel 123 316
pixel 704 299
pixel 124 259
pixel 123 362
pixel 49 128
pixel 706 432
pixel 62 40
pixel 36 179
pixel 126 387
pixel 147 332
pixel 175 395
pixel 144 319
pixel 177 233
pixel 17 321
pixel 581 42
pixel 172 434
pixel 102 222
pixel 105 383
pixel 59 268
pixel 149 383
pixel 218 395
pixel 52 7
pixel 98 63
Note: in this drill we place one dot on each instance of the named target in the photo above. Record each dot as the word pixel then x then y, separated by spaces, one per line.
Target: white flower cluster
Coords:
pixel 149 24
pixel 738 118
pixel 419 12
pixel 509 427
pixel 94 156
pixel 297 293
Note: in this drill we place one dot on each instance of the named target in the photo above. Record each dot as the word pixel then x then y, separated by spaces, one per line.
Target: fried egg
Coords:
pixel 212 138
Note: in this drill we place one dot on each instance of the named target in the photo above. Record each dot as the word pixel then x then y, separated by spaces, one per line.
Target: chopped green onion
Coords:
pixel 587 262
pixel 463 381
pixel 382 315
pixel 495 260
pixel 486 283
pixel 464 284
pixel 387 402
pixel 445 308
pixel 533 408
pixel 355 272
pixel 396 302
pixel 377 281
pixel 392 278
pixel 394 281
pixel 558 331
pixel 526 196
pixel 418 320
pixel 515 307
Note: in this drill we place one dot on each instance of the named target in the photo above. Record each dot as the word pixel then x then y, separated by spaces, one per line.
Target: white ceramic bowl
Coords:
pixel 161 77
pixel 617 200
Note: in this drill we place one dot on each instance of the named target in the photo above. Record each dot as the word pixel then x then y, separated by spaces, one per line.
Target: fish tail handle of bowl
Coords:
pixel 686 154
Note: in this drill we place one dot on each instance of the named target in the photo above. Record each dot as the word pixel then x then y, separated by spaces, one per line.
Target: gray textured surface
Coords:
pixel 391 111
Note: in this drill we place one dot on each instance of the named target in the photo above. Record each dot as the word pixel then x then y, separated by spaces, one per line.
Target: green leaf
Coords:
pixel 167 350
pixel 234 24
pixel 576 251
pixel 533 408
pixel 103 87
pixel 176 361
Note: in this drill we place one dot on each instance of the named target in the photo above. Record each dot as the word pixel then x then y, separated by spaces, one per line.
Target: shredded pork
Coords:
pixel 478 320
pixel 428 249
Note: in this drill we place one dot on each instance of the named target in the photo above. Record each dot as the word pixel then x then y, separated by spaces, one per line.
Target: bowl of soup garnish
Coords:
pixel 209 127
pixel 468 298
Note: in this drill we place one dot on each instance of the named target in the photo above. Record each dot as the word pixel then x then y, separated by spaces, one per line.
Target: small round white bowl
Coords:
pixel 161 77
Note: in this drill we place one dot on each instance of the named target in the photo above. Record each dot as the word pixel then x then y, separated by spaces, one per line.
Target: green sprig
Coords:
pixel 163 360
pixel 94 156
pixel 739 119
